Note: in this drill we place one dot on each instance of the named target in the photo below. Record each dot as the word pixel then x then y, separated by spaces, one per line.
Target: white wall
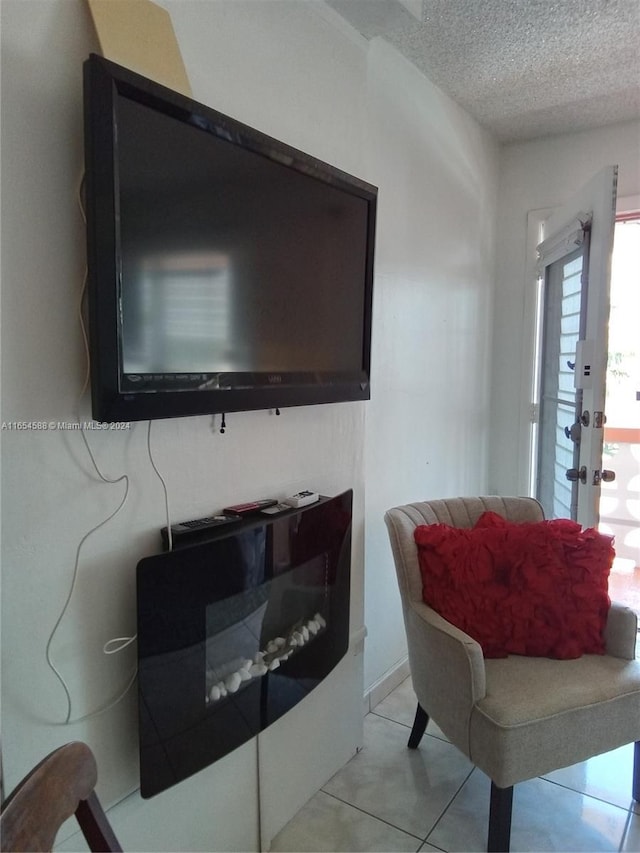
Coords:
pixel 263 63
pixel 428 419
pixel 294 72
pixel 537 175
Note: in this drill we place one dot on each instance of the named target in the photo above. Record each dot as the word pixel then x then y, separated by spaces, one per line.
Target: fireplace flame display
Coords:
pixel 235 631
pixel 277 651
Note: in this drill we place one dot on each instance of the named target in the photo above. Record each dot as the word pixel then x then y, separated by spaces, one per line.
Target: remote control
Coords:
pixel 200 523
pixel 249 508
pixel 277 509
pixel 196 529
pixel 302 499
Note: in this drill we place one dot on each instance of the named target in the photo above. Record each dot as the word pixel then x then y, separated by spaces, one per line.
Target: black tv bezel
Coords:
pixel 104 81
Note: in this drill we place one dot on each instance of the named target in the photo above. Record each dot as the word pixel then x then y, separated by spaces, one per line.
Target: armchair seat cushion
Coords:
pixel 536 589
pixel 540 714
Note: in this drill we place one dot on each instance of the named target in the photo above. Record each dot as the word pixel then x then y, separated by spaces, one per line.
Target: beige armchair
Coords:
pixel 517 717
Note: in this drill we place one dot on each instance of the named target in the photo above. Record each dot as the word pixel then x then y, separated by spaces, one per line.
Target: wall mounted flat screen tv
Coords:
pixel 227 271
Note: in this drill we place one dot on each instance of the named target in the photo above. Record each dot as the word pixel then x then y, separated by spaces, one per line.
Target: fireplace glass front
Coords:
pixel 235 631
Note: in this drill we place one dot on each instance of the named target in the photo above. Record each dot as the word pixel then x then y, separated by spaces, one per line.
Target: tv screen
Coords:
pixel 227 271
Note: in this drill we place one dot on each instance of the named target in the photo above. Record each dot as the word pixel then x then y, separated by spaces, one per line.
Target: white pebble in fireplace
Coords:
pixel 277 650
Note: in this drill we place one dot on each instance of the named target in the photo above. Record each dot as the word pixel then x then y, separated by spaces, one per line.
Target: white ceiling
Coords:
pixel 522 68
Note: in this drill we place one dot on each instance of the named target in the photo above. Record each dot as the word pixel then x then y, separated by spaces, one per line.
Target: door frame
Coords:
pixel 531 339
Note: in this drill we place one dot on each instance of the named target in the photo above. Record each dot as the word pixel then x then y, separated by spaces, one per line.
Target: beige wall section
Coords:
pixel 139 35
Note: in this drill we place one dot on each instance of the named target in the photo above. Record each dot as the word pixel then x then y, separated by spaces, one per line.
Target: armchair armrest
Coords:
pixel 447 670
pixel 621 632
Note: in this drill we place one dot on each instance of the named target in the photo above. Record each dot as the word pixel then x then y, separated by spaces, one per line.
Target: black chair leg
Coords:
pixel 419 726
pixel 500 819
pixel 636 772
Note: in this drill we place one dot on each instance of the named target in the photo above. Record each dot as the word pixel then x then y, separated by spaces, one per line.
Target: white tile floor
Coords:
pixel 389 798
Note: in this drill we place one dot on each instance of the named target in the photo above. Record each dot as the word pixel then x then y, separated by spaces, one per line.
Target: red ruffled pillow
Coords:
pixel 461 580
pixel 536 589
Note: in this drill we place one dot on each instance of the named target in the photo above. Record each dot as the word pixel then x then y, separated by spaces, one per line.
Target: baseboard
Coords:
pixel 391 679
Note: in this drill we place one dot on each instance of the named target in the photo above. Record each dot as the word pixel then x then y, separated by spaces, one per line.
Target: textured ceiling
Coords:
pixel 522 68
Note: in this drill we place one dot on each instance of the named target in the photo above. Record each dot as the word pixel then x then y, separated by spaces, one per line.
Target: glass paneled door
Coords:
pixel 560 402
pixel 575 265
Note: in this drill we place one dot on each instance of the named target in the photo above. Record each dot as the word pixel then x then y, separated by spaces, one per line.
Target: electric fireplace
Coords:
pixel 236 630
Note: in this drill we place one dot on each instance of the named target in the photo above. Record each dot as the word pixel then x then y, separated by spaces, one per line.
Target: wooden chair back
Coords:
pixel 60 786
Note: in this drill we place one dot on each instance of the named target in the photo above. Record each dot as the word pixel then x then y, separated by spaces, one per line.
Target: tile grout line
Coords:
pixel 447 807
pixel 444 811
pixel 388 823
pixel 631 813
pixel 625 832
pixel 409 727
pixel 600 799
pixel 629 809
pixel 375 817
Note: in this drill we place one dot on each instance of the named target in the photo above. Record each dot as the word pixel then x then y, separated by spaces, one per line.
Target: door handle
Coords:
pixel 604 476
pixel 574 474
pixel 574 432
